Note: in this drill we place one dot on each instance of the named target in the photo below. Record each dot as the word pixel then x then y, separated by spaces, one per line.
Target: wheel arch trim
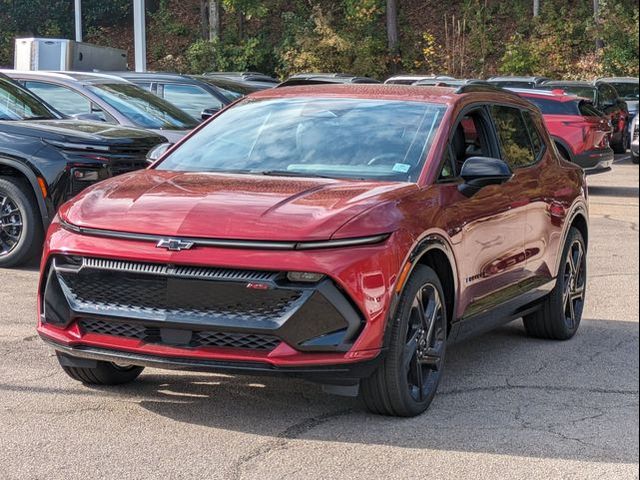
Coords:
pixel 35 186
pixel 428 243
pixel 578 209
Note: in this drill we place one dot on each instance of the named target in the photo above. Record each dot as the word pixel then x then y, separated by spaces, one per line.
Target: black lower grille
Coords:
pixel 192 339
pixel 164 294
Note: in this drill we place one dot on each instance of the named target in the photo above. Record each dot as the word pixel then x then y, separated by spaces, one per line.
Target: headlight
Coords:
pixel 158 151
pixel 304 277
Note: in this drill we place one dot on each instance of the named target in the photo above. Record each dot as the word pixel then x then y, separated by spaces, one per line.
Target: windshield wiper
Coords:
pixel 289 173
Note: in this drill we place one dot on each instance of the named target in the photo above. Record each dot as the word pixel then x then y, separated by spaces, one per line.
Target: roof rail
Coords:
pixel 479 88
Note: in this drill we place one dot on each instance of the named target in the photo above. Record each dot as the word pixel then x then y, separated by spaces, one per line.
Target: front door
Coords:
pixel 487 229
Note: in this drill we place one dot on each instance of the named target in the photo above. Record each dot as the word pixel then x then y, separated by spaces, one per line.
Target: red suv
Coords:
pixel 581 133
pixel 340 233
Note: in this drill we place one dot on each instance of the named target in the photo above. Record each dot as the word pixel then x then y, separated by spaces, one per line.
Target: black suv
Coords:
pixel 46 159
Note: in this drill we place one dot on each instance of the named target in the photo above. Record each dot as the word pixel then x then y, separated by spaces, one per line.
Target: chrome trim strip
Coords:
pixel 248 244
pixel 165 270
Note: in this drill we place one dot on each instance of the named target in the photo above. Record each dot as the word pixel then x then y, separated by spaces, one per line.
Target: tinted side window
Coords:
pixel 607 95
pixel 64 99
pixel 190 98
pixel 534 132
pixel 514 137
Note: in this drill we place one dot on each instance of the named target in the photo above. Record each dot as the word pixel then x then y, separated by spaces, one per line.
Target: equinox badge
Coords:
pixel 174 244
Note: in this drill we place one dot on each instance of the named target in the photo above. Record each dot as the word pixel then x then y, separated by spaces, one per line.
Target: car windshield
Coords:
pixel 627 90
pixel 143 108
pixel 581 91
pixel 17 104
pixel 314 137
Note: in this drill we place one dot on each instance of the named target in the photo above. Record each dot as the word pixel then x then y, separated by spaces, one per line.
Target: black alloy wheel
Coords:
pixel 575 284
pixel 21 229
pixel 407 379
pixel 426 337
pixel 560 313
pixel 10 224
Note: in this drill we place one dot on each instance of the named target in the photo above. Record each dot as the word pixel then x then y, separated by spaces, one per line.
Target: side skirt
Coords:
pixel 523 304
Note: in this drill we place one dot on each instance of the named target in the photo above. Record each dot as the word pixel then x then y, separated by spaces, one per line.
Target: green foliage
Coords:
pixel 205 56
pixel 561 43
pixel 290 36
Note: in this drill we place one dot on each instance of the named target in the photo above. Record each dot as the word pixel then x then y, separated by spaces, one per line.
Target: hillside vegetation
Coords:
pixel 463 38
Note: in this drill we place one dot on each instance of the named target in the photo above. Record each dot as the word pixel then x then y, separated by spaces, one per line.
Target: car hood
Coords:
pixel 222 206
pixel 74 131
pixel 172 136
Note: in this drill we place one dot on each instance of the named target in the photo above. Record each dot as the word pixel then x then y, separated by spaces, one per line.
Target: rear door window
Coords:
pixel 515 142
pixel 534 132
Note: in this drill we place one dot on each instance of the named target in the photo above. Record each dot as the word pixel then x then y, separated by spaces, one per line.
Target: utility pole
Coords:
pixel 392 30
pixel 596 18
pixel 214 20
pixel 78 15
pixel 140 36
pixel 536 8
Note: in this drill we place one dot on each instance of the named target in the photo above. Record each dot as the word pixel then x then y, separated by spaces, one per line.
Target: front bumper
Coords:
pixel 595 160
pixel 334 324
pixel 337 374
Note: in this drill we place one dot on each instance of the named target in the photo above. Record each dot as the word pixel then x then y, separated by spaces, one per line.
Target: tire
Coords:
pixel 105 373
pixel 560 315
pixel 635 159
pixel 416 353
pixel 621 146
pixel 21 230
pixel 563 152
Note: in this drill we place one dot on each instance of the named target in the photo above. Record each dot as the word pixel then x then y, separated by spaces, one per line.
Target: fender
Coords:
pixel 35 186
pixel 579 208
pixel 566 146
pixel 428 243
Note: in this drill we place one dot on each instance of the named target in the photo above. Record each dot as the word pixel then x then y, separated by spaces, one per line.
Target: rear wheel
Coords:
pixel 622 145
pixel 561 313
pixel 406 382
pixel 104 373
pixel 20 225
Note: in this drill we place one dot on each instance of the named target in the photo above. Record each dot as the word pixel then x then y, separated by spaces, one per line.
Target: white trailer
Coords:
pixel 66 55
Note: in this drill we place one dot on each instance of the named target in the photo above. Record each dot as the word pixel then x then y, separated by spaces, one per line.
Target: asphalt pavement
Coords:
pixel 510 407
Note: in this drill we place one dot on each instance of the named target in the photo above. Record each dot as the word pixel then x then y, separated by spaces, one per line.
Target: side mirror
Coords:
pixel 158 151
pixel 90 117
pixel 480 172
pixel 207 113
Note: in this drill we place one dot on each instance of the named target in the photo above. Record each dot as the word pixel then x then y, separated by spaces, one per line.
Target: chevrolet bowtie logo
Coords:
pixel 174 244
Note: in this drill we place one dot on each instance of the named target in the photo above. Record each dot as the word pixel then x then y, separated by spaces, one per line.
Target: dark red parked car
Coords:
pixel 342 234
pixel 581 132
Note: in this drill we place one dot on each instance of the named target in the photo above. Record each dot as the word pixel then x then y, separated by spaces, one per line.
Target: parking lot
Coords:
pixel 509 407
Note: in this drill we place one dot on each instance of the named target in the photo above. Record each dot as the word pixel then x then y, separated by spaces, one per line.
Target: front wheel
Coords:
pixel 561 313
pixel 406 382
pixel 20 225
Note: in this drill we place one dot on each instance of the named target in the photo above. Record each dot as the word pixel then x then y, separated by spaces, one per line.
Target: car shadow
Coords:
pixel 614 191
pixel 503 393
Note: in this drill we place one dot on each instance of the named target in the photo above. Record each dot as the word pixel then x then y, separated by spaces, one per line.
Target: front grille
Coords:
pixel 118 167
pixel 143 290
pixel 197 338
